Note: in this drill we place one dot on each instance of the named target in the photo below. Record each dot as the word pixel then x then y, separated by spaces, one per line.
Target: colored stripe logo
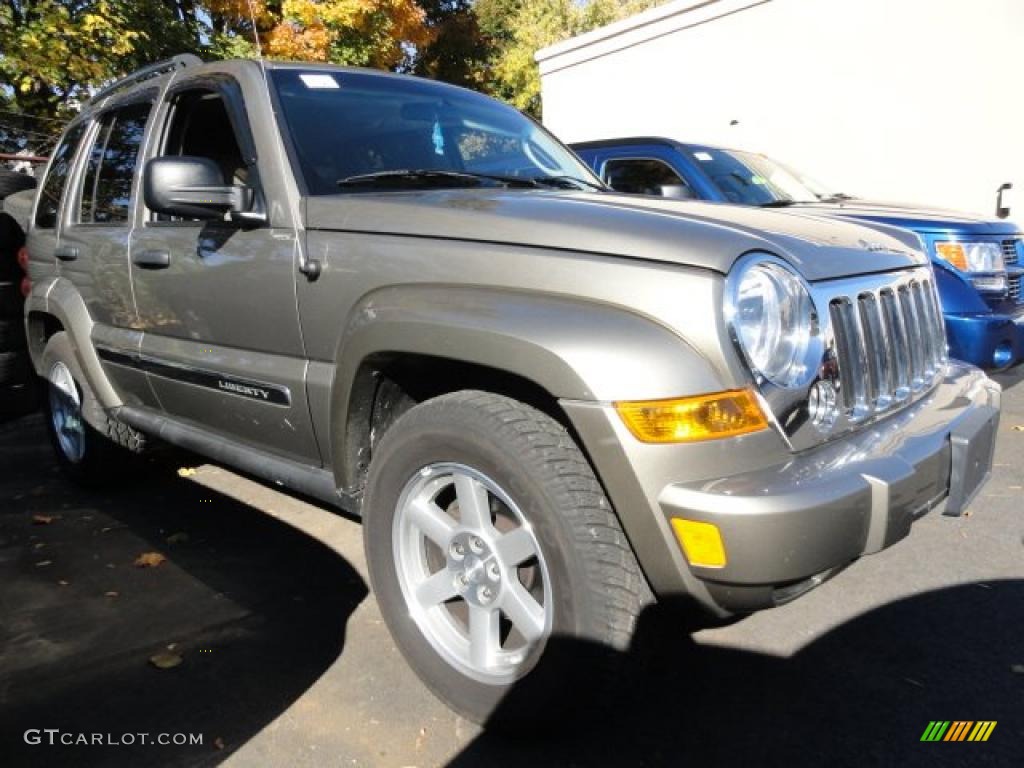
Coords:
pixel 958 730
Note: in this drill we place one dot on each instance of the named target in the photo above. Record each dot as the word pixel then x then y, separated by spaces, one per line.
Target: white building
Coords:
pixel 911 100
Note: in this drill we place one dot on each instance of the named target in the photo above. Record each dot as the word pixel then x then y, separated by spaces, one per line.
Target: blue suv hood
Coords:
pixel 915 217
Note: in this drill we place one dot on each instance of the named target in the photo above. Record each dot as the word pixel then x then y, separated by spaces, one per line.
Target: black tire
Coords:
pixel 597 586
pixel 107 441
pixel 12 335
pixel 19 400
pixel 12 181
pixel 11 239
pixel 11 300
pixel 14 368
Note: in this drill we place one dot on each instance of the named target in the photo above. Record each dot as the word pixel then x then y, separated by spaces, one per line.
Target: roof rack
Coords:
pixel 153 70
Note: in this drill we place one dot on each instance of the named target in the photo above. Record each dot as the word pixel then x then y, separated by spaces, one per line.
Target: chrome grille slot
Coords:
pixel 1014 286
pixel 849 348
pixel 889 344
pixel 898 344
pixel 879 364
pixel 1010 251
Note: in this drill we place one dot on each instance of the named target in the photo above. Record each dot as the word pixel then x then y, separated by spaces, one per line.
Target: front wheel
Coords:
pixel 487 535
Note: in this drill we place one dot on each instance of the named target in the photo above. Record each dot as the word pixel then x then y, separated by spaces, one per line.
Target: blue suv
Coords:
pixel 977 260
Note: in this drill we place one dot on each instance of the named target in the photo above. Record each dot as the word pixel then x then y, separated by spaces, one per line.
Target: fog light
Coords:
pixel 1003 355
pixel 701 542
pixel 821 405
pixel 687 419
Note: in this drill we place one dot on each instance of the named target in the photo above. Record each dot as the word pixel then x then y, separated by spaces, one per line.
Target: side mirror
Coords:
pixel 1002 211
pixel 192 187
pixel 676 191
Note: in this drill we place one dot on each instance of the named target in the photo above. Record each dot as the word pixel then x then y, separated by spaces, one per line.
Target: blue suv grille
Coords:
pixel 1010 256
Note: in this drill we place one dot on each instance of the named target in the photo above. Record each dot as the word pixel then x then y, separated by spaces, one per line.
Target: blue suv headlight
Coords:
pixel 983 262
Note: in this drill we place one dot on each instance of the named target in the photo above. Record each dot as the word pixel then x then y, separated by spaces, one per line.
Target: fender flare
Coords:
pixel 573 349
pixel 59 298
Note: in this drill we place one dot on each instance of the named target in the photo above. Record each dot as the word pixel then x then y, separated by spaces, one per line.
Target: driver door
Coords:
pixel 216 300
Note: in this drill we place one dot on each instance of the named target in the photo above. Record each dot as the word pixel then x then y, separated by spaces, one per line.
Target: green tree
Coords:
pixel 517 29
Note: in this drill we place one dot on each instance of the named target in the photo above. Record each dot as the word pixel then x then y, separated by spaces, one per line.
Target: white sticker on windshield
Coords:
pixel 319 81
pixel 704 157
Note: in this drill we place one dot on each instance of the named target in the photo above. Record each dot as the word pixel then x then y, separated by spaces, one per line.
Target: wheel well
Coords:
pixel 41 327
pixel 388 385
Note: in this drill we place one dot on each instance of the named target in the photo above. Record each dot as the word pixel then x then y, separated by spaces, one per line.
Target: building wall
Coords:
pixel 911 100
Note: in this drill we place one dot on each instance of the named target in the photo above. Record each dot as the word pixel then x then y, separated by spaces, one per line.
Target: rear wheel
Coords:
pixel 487 537
pixel 88 442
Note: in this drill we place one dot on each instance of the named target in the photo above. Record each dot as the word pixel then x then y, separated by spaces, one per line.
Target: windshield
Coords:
pixel 747 178
pixel 346 126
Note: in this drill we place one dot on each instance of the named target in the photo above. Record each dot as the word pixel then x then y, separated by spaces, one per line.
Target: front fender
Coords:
pixel 574 349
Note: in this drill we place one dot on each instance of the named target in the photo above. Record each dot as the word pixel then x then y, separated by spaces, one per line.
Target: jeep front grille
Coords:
pixel 889 342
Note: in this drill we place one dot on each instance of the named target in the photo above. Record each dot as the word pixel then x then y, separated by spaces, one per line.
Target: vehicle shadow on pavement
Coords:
pixel 256 610
pixel 860 695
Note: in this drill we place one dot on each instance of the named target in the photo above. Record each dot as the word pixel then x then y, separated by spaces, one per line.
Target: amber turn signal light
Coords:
pixel 689 419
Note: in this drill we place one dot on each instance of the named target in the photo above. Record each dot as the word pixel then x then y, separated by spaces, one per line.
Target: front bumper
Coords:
pixel 987 340
pixel 788 526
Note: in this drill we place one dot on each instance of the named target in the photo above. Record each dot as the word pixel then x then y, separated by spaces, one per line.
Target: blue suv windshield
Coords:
pixel 746 178
pixel 359 131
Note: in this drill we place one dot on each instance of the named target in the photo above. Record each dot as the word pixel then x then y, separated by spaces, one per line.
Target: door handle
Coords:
pixel 154 259
pixel 66 252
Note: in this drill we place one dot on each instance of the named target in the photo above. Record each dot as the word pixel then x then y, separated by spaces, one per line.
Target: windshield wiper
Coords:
pixel 569 182
pixel 779 203
pixel 430 177
pixel 837 197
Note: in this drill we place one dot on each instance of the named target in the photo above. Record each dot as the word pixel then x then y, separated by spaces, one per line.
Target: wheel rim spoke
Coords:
pixel 525 613
pixel 515 547
pixel 437 589
pixel 435 524
pixel 474 505
pixel 484 635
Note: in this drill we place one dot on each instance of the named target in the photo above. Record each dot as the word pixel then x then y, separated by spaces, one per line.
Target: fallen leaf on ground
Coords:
pixel 1018 428
pixel 149 560
pixel 177 538
pixel 63 582
pixel 42 519
pixel 186 472
pixel 1017 669
pixel 165 660
pixel 111 593
pixel 40 545
pixel 42 563
pixel 218 743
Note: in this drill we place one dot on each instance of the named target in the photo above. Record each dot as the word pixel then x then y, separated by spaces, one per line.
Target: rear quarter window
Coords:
pixel 52 189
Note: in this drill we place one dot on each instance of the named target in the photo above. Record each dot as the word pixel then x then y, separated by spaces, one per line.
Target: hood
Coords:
pixel 930 220
pixel 706 235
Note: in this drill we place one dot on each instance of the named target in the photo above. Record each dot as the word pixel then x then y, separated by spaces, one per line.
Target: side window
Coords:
pixel 200 127
pixel 640 176
pixel 107 191
pixel 53 186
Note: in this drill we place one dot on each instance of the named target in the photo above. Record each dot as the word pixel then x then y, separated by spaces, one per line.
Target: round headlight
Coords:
pixel 773 317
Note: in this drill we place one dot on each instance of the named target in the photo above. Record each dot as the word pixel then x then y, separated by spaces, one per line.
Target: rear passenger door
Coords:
pixel 92 247
pixel 217 299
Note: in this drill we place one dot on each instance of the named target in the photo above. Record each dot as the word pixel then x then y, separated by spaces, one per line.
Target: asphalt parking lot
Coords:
pixel 284 659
